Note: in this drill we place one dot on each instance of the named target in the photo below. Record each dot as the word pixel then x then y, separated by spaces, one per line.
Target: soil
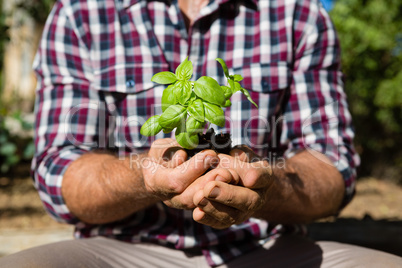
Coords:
pixel 373 218
pixel 221 143
pixel 21 207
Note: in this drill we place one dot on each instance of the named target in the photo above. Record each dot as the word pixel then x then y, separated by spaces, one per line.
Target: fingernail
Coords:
pixel 203 202
pixel 211 161
pixel 220 178
pixel 215 192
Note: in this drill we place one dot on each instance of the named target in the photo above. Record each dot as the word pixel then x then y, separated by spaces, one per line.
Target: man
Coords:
pixel 93 169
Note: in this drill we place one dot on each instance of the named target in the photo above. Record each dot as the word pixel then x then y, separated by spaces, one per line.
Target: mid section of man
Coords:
pixel 294 162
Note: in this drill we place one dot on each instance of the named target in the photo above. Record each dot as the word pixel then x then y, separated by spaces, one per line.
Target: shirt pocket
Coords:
pixel 260 128
pixel 128 78
pixel 265 77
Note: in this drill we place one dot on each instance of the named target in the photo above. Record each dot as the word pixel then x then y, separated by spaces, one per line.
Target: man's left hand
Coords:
pixel 220 204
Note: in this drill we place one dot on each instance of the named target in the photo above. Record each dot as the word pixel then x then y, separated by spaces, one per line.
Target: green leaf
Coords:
pixel 164 78
pixel 170 129
pixel 172 116
pixel 167 130
pixel 4 168
pixel 236 87
pixel 237 77
pixel 168 97
pixel 183 91
pixel 3 137
pixel 214 114
pixel 224 67
pixel 232 85
pixel 151 127
pixel 12 159
pixel 185 70
pixel 8 149
pixel 209 90
pixel 196 109
pixel 186 140
pixel 247 94
pixel 29 150
pixel 181 127
pixel 193 126
pixel 227 103
pixel 192 98
pixel 227 92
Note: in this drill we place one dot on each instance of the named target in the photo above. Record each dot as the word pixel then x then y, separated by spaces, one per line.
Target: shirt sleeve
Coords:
pixel 316 117
pixel 66 110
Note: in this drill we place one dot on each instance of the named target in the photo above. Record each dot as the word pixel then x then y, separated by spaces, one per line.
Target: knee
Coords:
pixel 345 255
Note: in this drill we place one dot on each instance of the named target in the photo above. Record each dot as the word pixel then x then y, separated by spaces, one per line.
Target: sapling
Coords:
pixel 188 106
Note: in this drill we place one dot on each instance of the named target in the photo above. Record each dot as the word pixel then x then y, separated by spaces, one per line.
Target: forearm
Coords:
pixel 100 188
pixel 305 189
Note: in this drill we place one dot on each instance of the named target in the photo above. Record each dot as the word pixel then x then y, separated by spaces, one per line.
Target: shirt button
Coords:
pixel 130 83
pixel 265 83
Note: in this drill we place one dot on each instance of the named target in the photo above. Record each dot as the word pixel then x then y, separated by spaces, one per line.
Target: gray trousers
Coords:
pixel 286 251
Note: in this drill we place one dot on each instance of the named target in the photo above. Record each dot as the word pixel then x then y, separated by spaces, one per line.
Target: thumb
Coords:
pixel 250 173
pixel 198 164
pixel 186 173
pixel 244 153
pixel 178 158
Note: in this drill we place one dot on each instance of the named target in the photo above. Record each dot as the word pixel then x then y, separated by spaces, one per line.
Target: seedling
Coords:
pixel 188 106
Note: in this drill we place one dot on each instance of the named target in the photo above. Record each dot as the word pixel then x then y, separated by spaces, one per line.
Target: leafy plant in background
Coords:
pixel 3 39
pixel 370 32
pixel 3 36
pixel 188 106
pixel 37 9
pixel 16 142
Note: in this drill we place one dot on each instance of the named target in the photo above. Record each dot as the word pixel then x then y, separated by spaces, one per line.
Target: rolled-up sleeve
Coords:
pixel 316 117
pixel 66 110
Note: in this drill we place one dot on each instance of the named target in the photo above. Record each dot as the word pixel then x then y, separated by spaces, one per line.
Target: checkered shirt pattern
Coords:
pixel 94 68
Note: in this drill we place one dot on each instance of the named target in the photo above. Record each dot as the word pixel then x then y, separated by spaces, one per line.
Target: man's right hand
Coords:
pixel 167 173
pixel 100 188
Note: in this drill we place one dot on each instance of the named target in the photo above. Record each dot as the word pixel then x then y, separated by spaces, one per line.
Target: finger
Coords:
pixel 233 196
pixel 221 213
pixel 201 217
pixel 160 149
pixel 213 213
pixel 223 175
pixel 244 153
pixel 239 154
pixel 185 199
pixel 252 175
pixel 178 158
pixel 179 178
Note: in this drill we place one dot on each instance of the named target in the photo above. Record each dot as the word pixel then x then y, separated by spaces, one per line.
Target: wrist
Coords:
pixel 276 195
pixel 140 168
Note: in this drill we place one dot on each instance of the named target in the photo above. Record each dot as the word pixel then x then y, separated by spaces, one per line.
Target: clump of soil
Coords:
pixel 221 143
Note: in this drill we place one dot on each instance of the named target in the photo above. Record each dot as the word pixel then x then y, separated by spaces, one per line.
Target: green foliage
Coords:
pixel 16 142
pixel 37 9
pixel 3 37
pixel 187 106
pixel 370 32
pixel 151 127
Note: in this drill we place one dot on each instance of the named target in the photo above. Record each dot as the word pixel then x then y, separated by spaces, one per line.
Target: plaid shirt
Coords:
pixel 94 68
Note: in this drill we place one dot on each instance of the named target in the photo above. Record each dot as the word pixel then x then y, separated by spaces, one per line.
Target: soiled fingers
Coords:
pixel 225 204
pixel 185 199
pixel 164 181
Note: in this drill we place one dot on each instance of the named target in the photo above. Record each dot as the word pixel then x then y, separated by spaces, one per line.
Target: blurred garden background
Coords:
pixel 370 32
